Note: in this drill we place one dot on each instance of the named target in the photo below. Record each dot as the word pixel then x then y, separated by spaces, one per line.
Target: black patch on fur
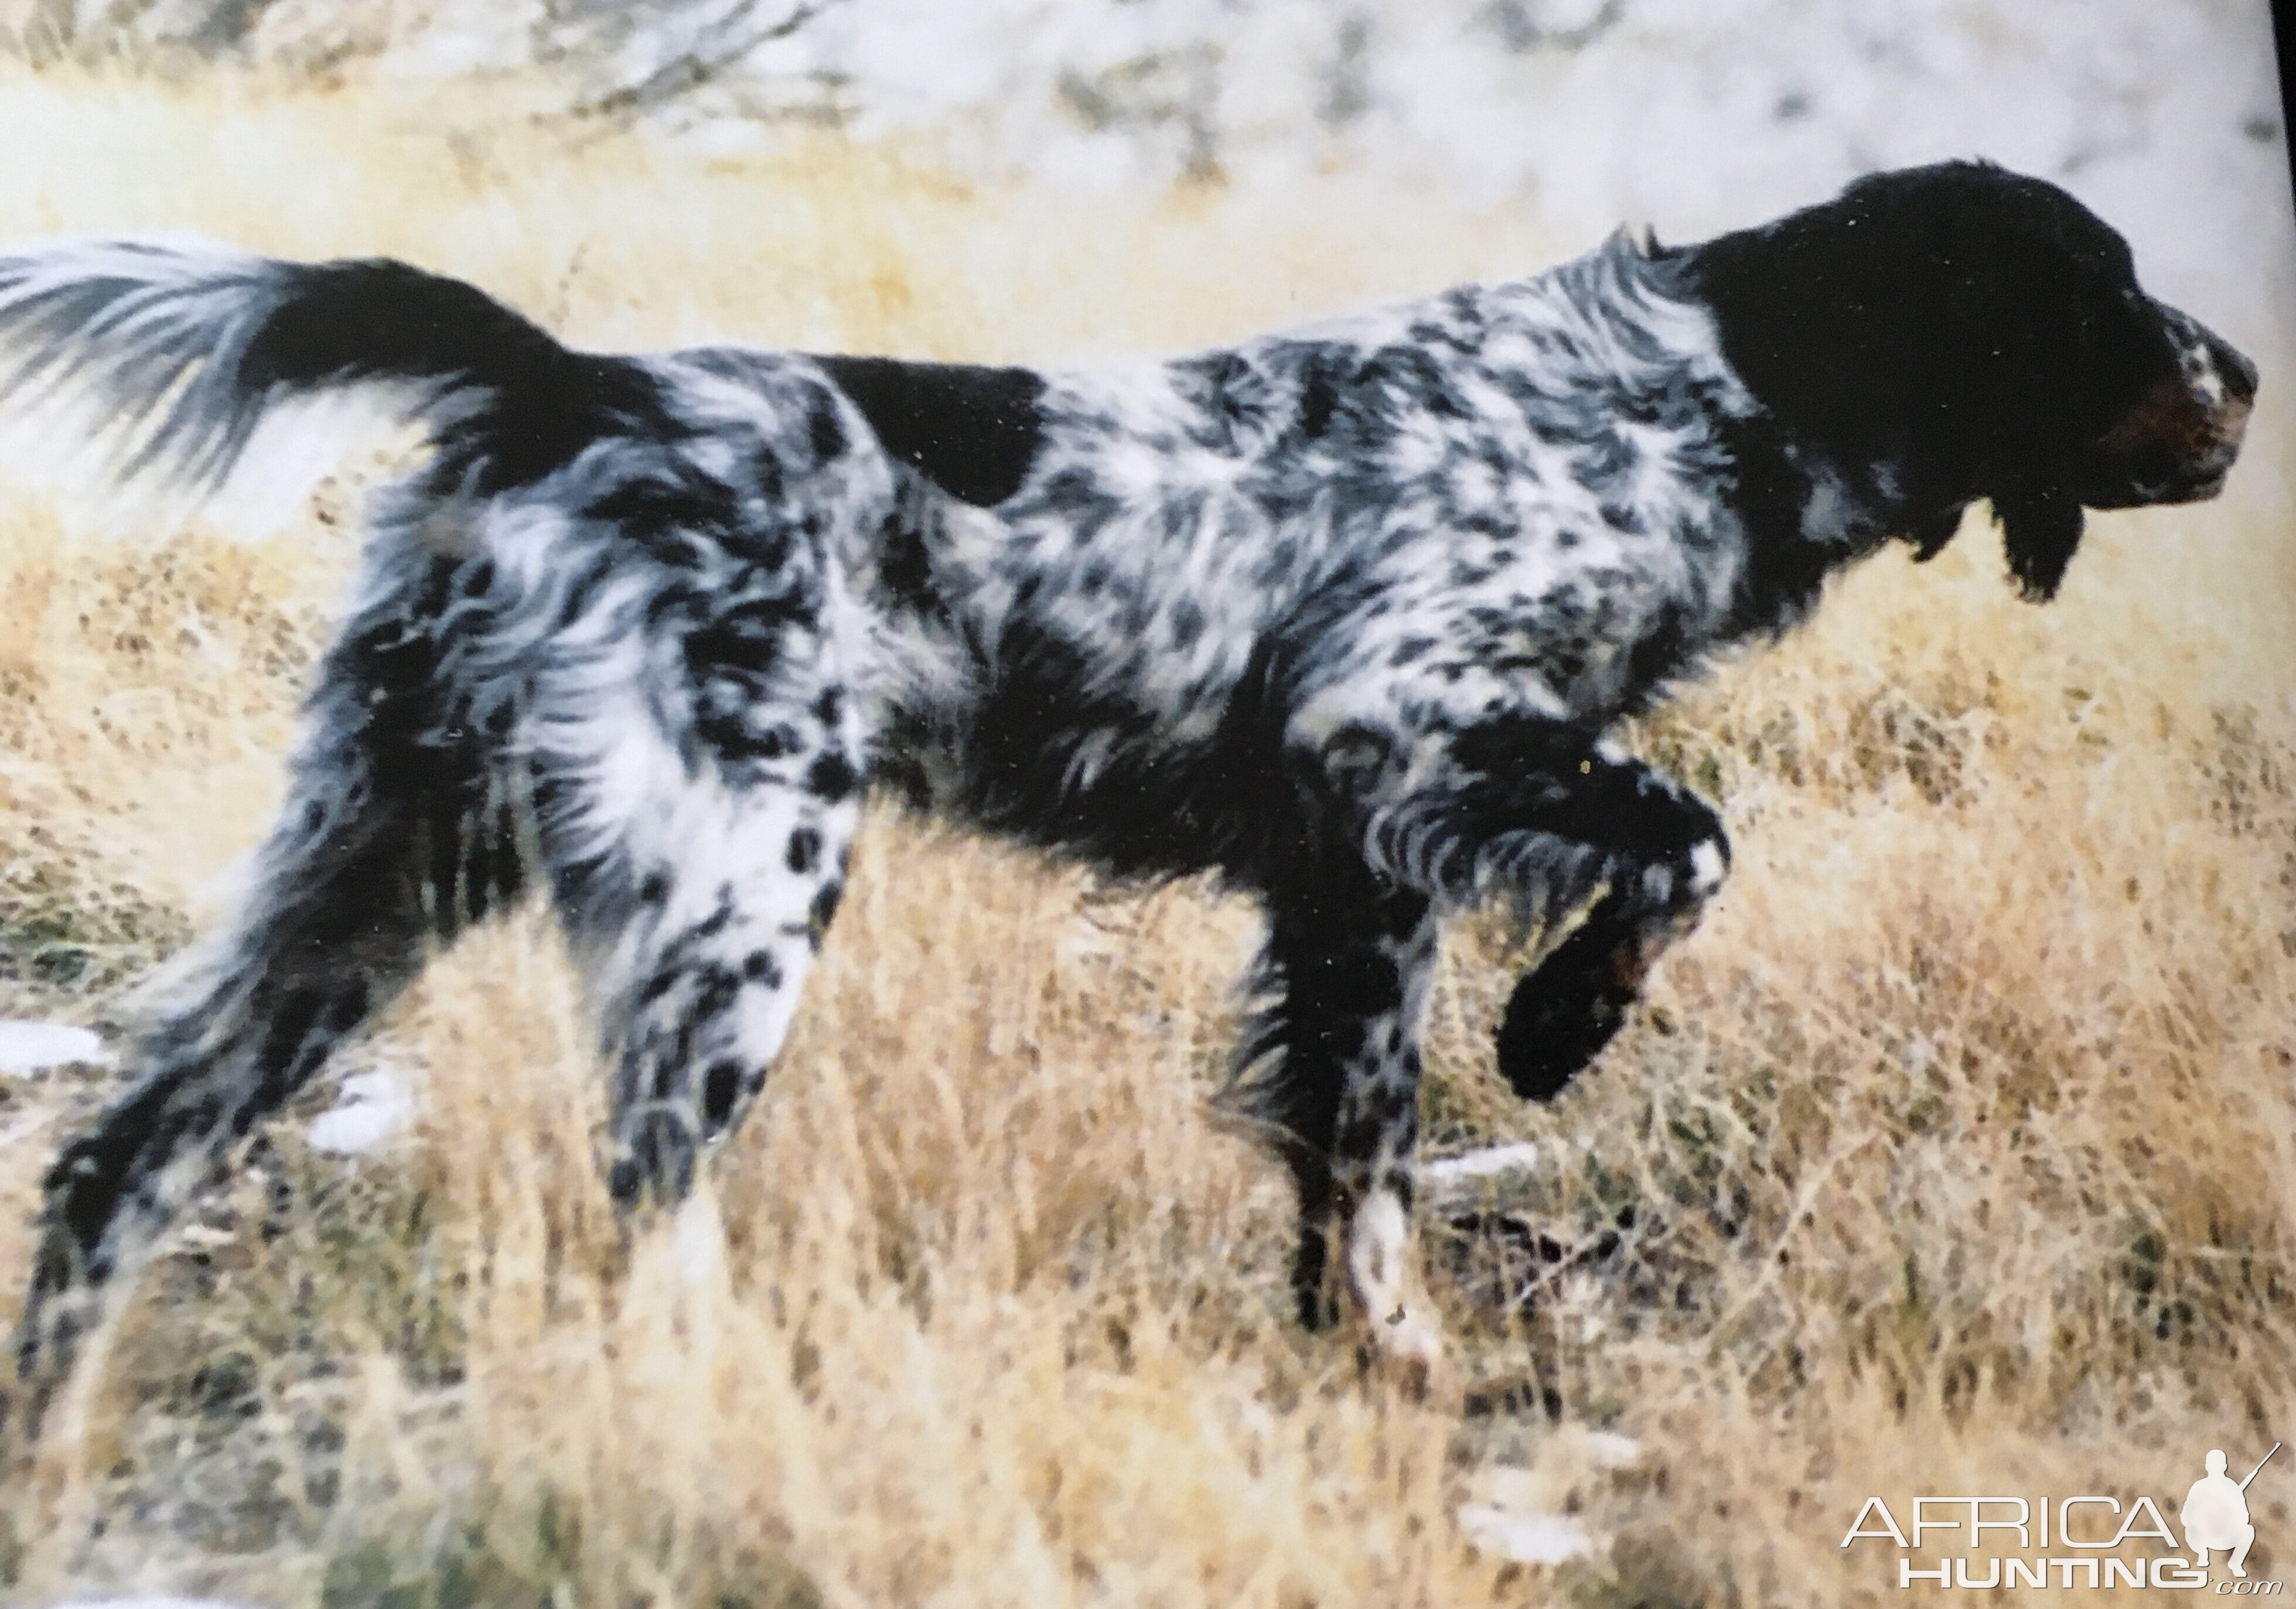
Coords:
pixel 824 910
pixel 721 1087
pixel 1527 774
pixel 831 777
pixel 1187 624
pixel 662 1160
pixel 970 431
pixel 746 640
pixel 904 569
pixel 653 505
pixel 1326 977
pixel 827 434
pixel 1317 403
pixel 804 849
pixel 1785 571
pixel 1564 1010
pixel 416 735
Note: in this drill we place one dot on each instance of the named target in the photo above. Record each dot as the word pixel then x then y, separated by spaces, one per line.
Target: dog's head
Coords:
pixel 1959 331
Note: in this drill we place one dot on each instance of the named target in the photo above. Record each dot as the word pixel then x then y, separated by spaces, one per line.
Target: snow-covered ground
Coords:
pixel 28 1049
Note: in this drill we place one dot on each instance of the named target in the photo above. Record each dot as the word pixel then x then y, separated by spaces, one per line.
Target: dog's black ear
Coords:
pixel 2041 529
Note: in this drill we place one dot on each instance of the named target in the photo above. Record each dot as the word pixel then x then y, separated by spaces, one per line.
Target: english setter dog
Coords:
pixel 1350 616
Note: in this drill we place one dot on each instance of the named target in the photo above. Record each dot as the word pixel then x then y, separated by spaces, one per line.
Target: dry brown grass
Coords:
pixel 1953 1156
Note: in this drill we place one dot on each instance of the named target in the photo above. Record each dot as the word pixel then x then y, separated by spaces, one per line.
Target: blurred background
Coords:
pixel 1689 115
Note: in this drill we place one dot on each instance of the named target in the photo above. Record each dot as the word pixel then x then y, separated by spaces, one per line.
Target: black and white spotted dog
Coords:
pixel 1348 613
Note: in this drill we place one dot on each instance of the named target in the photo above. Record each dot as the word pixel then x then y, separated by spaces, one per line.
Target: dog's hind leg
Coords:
pixel 390 833
pixel 695 809
pixel 1332 1070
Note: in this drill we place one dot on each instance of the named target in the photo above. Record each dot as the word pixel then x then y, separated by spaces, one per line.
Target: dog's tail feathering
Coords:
pixel 184 347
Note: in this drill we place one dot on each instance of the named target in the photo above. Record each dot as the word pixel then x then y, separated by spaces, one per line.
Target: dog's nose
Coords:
pixel 2239 374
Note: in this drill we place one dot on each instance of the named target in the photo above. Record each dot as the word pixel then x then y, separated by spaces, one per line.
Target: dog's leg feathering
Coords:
pixel 696 804
pixel 359 869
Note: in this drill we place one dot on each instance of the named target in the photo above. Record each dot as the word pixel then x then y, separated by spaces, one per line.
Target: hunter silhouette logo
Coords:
pixel 2215 1515
pixel 2089 1542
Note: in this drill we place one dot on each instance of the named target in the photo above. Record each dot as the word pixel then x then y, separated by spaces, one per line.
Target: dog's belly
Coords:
pixel 1041 758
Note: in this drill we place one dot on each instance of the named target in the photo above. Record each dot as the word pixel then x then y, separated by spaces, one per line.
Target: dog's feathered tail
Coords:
pixel 185 346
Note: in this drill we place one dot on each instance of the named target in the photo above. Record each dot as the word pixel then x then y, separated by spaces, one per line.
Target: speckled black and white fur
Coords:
pixel 1348 614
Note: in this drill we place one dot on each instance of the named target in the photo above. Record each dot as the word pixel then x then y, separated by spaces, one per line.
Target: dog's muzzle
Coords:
pixel 2178 444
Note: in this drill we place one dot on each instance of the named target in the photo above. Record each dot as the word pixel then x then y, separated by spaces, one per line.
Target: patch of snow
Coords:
pixel 1525 1539
pixel 1484 1164
pixel 1451 1180
pixel 371 1107
pixel 27 1048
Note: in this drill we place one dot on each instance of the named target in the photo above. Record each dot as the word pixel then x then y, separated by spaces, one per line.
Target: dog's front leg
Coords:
pixel 1334 1072
pixel 1535 813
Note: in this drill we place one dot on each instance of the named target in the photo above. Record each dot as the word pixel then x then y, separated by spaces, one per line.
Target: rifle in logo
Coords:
pixel 2260 1463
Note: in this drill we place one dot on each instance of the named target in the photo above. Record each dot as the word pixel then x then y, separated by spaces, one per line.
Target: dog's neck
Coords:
pixel 1806 514
pixel 1810 497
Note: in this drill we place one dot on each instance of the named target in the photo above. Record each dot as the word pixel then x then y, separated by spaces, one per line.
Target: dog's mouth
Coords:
pixel 2157 486
pixel 2178 444
pixel 2172 450
pixel 2197 488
